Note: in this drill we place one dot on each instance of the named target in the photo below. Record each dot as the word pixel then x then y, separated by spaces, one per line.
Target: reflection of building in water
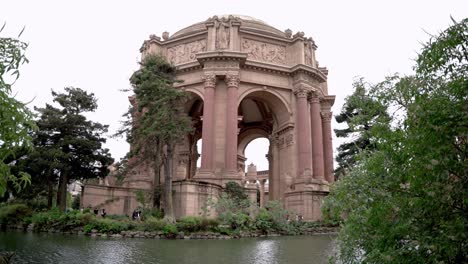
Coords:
pixel 246 80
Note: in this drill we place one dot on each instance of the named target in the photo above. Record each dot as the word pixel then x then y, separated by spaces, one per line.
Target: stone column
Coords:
pixel 303 132
pixel 262 193
pixel 317 140
pixel 208 122
pixel 327 145
pixel 232 81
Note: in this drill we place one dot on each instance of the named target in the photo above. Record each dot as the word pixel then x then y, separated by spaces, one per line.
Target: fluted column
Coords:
pixel 303 132
pixel 232 82
pixel 208 122
pixel 327 145
pixel 317 139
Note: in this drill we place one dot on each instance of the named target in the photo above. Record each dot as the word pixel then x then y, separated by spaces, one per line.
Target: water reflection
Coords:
pixel 266 252
pixel 54 248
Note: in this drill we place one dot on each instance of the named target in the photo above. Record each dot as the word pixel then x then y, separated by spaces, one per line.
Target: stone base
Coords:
pixel 306 203
pixel 116 200
pixel 191 198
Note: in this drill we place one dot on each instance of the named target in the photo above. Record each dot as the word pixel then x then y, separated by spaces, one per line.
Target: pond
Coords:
pixel 58 248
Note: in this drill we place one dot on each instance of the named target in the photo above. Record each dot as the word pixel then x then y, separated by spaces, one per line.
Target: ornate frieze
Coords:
pixel 185 52
pixel 285 137
pixel 264 52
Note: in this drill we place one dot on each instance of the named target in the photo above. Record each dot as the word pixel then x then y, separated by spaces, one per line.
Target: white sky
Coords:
pixel 95 45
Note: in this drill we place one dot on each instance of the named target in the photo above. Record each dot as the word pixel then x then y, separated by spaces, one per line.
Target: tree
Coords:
pixel 360 113
pixel 159 120
pixel 406 201
pixel 69 145
pixel 15 118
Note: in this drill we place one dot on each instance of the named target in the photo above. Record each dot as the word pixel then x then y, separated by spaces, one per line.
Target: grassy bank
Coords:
pixel 266 222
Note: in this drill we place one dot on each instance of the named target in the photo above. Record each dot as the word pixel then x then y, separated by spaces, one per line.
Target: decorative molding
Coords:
pixel 315 96
pixel 265 52
pixel 301 92
pixel 185 52
pixel 210 79
pixel 232 80
pixel 326 116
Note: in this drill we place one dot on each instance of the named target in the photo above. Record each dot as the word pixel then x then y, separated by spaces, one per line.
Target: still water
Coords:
pixel 56 248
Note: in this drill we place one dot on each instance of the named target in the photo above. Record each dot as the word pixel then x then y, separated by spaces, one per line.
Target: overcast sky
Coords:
pixel 95 45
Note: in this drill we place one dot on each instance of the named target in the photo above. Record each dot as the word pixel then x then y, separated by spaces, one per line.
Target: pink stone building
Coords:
pixel 247 80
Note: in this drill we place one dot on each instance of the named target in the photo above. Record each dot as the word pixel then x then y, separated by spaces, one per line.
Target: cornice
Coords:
pixel 224 55
pixel 315 73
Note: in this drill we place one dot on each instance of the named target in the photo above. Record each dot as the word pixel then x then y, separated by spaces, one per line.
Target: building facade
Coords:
pixel 246 80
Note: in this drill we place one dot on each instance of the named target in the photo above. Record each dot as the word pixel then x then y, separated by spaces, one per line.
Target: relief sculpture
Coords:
pixel 185 52
pixel 222 35
pixel 264 52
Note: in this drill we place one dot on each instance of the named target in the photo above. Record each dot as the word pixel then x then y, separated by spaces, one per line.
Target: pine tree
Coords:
pixel 159 120
pixel 68 143
pixel 360 112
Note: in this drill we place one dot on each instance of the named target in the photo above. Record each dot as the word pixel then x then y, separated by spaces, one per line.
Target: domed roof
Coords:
pixel 247 22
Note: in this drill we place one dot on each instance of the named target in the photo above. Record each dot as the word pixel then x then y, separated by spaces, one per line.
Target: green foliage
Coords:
pixel 170 230
pixel 151 212
pixel 16 121
pixel 233 212
pixel 105 225
pixel 76 202
pixel 14 213
pixel 273 218
pixel 235 191
pixel 361 112
pixel 153 224
pixel 189 223
pixel 406 201
pixel 142 198
pixel 159 121
pixel 67 146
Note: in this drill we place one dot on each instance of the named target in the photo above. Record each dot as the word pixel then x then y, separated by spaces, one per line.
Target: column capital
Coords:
pixel 301 92
pixel 314 97
pixel 210 79
pixel 232 79
pixel 326 116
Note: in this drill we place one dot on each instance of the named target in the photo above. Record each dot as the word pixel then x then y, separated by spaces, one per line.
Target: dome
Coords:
pixel 247 23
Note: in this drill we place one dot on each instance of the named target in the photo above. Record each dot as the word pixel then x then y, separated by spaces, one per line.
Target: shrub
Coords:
pixel 170 230
pixel 273 218
pixel 209 224
pixel 189 224
pixel 153 224
pixel 105 225
pixel 14 213
pixel 264 221
pixel 233 212
pixel 151 212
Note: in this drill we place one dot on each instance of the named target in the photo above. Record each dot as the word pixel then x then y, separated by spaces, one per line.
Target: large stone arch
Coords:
pixel 275 100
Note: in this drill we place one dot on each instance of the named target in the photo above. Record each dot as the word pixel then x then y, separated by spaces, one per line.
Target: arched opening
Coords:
pixel 257 167
pixel 262 112
pixel 189 152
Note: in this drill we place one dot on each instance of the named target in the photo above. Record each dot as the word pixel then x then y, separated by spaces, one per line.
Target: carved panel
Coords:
pixel 265 52
pixel 185 52
pixel 285 137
